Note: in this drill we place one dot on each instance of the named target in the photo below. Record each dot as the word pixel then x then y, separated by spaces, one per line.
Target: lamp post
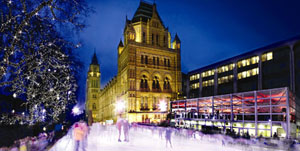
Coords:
pixel 120 106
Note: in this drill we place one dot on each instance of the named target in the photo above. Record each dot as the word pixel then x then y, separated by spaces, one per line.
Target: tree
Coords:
pixel 36 59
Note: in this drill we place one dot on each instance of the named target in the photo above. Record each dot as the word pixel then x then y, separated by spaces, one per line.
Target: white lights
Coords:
pixel 14 95
pixel 13 111
pixel 76 110
pixel 44 129
pixel 120 106
pixel 163 106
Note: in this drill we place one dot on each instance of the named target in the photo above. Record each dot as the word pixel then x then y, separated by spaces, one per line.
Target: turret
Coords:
pixel 93 88
pixel 120 47
pixel 176 42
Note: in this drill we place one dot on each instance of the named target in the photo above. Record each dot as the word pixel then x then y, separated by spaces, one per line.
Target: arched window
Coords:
pixel 167 84
pixel 94 106
pixel 155 83
pixel 144 37
pixel 144 82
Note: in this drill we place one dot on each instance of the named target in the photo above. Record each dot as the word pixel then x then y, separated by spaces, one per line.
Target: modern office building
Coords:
pixel 273 66
pixel 265 82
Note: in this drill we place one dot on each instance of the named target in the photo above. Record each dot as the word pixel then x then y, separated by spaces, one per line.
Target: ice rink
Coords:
pixel 145 138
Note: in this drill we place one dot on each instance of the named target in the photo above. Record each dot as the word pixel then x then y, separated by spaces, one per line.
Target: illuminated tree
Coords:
pixel 36 60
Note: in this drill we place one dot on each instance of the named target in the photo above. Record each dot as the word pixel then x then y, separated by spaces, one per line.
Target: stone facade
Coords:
pixel 149 72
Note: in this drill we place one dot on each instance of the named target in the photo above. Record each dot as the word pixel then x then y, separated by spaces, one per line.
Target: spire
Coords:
pixel 95 60
pixel 177 38
pixel 121 43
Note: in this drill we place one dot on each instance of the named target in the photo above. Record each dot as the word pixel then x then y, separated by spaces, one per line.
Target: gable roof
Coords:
pixel 145 12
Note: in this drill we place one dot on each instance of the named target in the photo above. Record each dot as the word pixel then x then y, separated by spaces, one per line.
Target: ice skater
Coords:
pixel 168 137
pixel 160 131
pixel 78 134
pixel 126 130
pixel 119 126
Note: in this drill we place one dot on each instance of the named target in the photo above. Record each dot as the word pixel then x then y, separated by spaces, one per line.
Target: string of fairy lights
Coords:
pixel 34 59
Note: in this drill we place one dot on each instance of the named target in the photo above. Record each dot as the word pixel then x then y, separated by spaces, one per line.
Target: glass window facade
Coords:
pixel 195 77
pixel 225 79
pixel 226 68
pixel 208 73
pixel 248 73
pixel 247 62
pixel 208 83
pixel 261 112
pixel 195 86
pixel 267 56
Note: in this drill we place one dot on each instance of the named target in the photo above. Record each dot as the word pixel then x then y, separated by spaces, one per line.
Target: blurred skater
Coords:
pixel 160 132
pixel 168 137
pixel 79 135
pixel 119 126
pixel 126 130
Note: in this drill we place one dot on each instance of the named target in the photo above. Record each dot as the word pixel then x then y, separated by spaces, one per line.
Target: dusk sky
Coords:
pixel 209 30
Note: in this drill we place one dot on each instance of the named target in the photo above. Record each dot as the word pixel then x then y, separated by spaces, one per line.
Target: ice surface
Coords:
pixel 146 138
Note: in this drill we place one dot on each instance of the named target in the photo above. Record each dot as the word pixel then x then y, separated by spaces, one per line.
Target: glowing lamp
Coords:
pixel 76 110
pixel 163 106
pixel 120 106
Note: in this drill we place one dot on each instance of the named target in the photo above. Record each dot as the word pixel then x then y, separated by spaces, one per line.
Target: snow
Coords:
pixel 146 138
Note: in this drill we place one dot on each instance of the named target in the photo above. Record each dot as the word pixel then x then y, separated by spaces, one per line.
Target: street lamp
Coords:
pixel 76 110
pixel 163 106
pixel 120 106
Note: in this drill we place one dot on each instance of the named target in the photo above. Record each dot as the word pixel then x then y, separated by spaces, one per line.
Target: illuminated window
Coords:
pixel 225 79
pixel 208 83
pixel 226 68
pixel 194 77
pixel 254 59
pixel 248 73
pixel 249 61
pixel 267 56
pixel 208 73
pixel 131 36
pixel 195 86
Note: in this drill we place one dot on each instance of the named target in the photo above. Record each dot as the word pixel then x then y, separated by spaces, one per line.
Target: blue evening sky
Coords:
pixel 209 30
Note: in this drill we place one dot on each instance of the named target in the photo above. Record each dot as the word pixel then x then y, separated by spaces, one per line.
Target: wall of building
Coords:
pixel 149 71
pixel 273 66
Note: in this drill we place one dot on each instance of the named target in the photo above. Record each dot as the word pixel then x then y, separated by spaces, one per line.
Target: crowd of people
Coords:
pixel 80 130
pixel 38 141
pixel 34 143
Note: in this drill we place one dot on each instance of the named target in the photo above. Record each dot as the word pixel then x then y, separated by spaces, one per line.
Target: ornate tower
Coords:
pixel 93 89
pixel 149 71
pixel 149 68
